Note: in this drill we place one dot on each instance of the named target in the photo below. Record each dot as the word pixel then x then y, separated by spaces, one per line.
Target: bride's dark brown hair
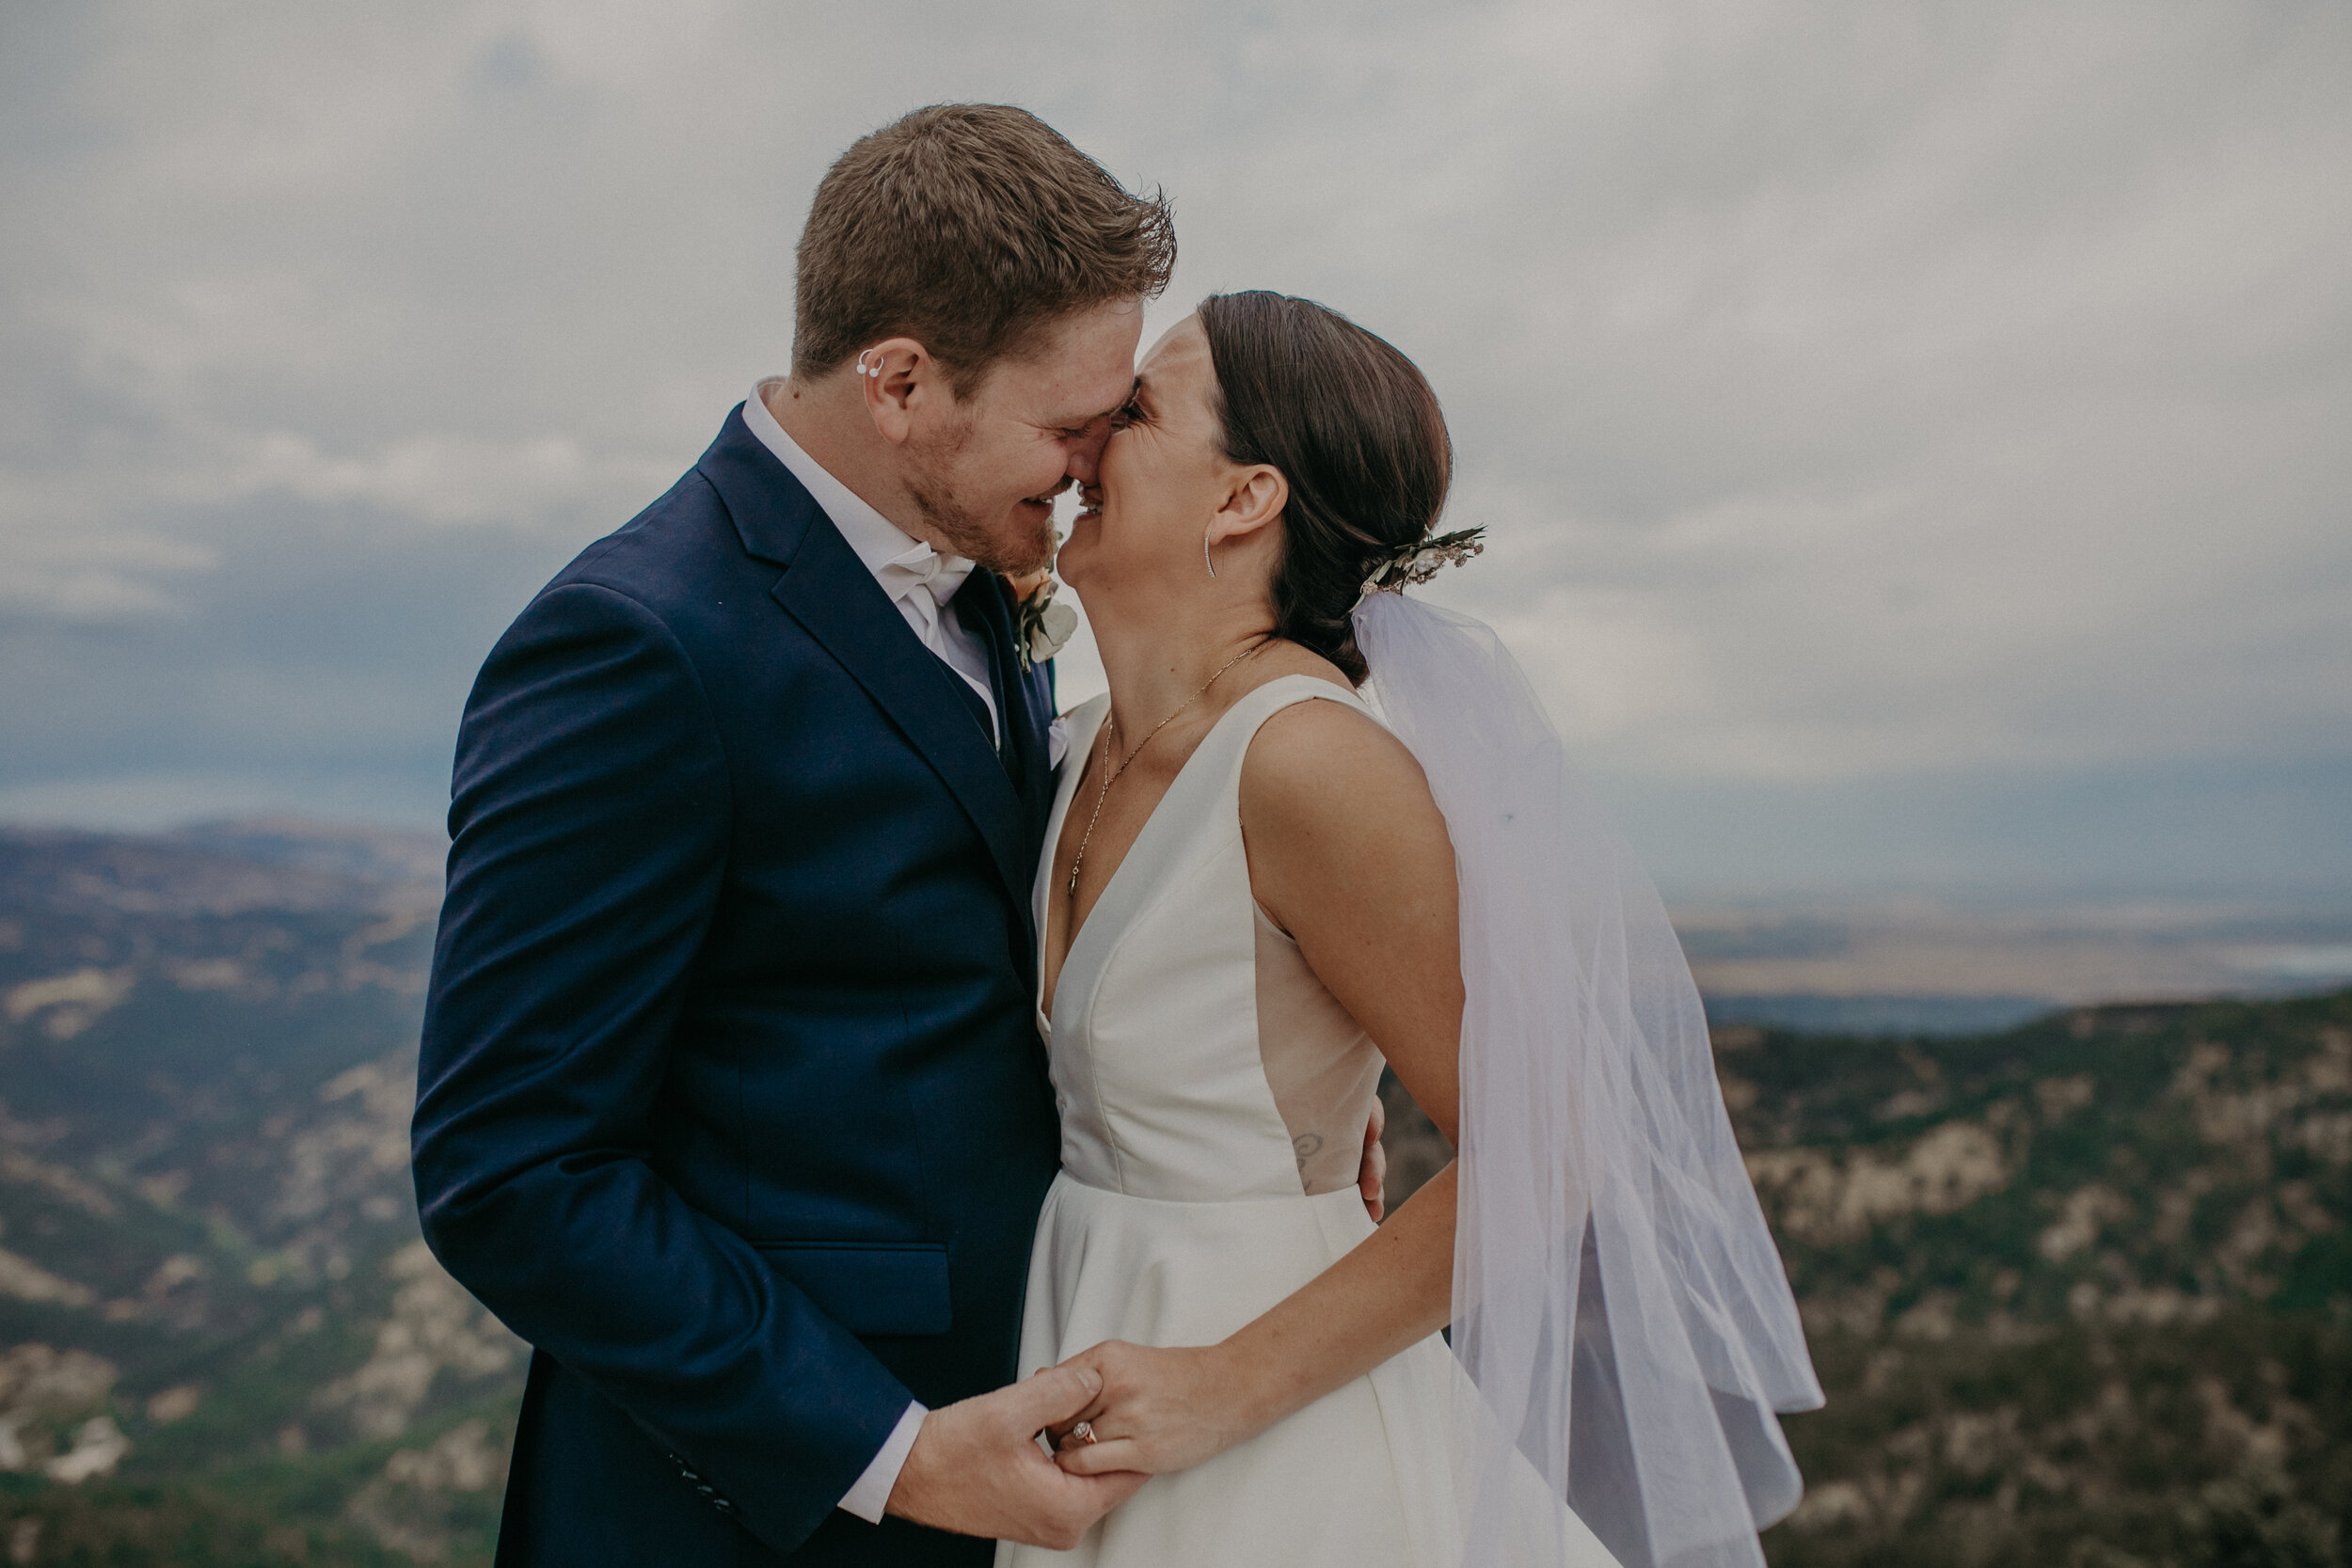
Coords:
pixel 1353 426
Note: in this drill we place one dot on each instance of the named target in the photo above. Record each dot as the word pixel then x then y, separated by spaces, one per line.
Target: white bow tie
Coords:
pixel 938 575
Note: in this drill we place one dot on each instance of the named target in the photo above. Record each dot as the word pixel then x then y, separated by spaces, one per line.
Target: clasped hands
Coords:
pixel 977 1466
pixel 1157 1410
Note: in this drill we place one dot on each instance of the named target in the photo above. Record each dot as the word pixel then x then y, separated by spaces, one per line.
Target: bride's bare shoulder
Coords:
pixel 1315 762
pixel 1348 849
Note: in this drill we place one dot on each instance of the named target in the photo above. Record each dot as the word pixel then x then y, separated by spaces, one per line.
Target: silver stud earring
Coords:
pixel 875 371
pixel 1205 556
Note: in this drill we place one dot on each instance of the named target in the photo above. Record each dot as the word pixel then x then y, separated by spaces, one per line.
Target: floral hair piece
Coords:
pixel 1418 563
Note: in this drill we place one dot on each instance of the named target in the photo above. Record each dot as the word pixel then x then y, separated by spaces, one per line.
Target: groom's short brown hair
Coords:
pixel 967 227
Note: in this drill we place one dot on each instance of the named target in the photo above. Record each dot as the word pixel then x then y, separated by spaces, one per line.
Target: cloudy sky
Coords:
pixel 1914 436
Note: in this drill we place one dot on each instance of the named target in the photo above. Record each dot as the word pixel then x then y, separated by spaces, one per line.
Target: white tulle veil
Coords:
pixel 1619 1309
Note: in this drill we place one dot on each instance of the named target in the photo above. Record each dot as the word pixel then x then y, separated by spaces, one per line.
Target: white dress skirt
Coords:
pixel 1213 1098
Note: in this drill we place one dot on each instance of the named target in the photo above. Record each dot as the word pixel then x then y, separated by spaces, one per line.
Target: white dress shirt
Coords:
pixel 919 581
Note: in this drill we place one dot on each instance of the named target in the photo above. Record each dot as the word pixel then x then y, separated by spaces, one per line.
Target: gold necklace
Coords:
pixel 1110 727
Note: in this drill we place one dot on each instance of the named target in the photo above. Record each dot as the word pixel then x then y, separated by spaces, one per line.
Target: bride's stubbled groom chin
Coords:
pixel 731 1101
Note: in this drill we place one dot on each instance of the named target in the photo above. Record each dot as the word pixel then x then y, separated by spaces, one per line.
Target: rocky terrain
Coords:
pixel 2081 1291
pixel 221 1339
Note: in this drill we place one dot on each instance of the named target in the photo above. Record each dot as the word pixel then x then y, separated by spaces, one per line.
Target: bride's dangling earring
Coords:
pixel 1205 556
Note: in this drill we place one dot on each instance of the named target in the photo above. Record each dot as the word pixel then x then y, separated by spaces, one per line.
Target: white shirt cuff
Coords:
pixel 871 1494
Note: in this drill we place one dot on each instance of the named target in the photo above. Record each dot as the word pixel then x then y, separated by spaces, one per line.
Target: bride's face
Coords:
pixel 1163 476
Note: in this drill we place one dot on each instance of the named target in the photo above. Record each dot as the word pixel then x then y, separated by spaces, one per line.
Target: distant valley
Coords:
pixel 2081 1291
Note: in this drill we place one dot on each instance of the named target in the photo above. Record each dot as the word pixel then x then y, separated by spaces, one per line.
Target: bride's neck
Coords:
pixel 1158 657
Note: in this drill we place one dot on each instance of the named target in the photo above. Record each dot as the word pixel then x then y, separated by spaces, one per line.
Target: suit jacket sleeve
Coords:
pixel 589 824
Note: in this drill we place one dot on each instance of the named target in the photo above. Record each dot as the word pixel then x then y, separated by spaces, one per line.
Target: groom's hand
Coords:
pixel 1372 1178
pixel 976 1467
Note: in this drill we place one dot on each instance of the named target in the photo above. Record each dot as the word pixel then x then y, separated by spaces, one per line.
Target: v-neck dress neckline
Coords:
pixel 1119 897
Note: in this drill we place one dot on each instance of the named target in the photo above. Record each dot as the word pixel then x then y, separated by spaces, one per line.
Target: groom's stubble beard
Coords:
pixel 930 484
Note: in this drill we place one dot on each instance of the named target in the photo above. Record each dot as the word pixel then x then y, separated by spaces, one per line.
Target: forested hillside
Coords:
pixel 2081 1293
pixel 221 1340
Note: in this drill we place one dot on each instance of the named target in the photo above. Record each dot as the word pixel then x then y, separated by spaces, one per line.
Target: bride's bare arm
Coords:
pixel 1349 854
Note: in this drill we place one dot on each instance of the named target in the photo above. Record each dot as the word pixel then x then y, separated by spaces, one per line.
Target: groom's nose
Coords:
pixel 1086 451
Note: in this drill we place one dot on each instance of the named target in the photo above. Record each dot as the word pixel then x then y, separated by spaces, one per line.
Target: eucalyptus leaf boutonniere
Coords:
pixel 1043 625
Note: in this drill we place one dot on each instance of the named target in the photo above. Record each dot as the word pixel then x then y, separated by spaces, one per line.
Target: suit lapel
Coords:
pixel 967 611
pixel 835 599
pixel 1025 722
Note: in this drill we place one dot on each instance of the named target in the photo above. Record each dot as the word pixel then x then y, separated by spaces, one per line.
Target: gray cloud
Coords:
pixel 1921 418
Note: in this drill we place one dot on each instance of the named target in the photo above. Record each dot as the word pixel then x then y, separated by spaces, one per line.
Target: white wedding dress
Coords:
pixel 1213 1098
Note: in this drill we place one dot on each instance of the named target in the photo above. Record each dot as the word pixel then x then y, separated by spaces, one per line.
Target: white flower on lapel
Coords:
pixel 1045 625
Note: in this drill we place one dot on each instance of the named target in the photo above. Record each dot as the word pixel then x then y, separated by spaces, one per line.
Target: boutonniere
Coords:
pixel 1043 625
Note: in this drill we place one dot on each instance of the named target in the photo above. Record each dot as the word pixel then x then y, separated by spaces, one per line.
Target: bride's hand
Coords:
pixel 1159 1410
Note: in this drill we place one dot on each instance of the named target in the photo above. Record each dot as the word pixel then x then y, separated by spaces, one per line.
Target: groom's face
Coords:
pixel 985 474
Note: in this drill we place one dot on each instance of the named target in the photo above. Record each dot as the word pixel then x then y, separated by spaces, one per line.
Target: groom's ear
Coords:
pixel 902 384
pixel 1255 498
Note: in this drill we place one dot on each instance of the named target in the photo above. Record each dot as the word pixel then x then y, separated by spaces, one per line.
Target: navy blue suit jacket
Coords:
pixel 731 1100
